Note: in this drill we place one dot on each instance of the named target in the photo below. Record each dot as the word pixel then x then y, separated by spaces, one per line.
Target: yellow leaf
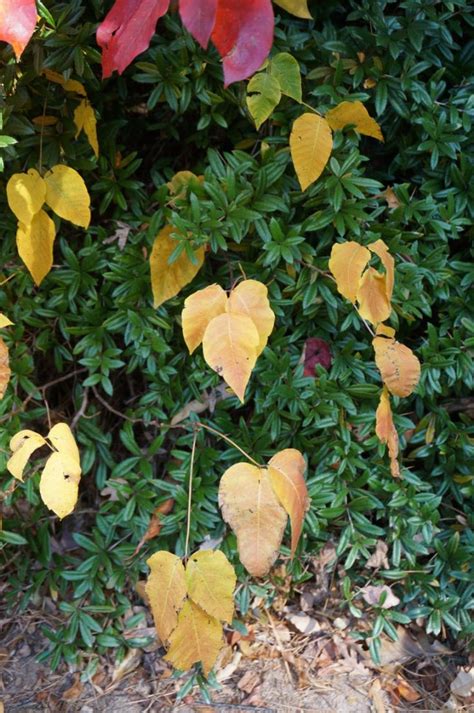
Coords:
pixel 263 95
pixel 354 113
pixel 383 329
pixel 210 580
pixel 35 245
pixel 347 263
pixel 180 182
pixel 84 119
pixel 5 372
pixel 399 367
pixel 23 445
pixel 381 250
pixel 168 280
pixel 230 348
pixel 374 304
pixel 311 145
pixel 286 70
pixel 4 321
pixel 59 484
pixel 197 637
pixel 67 195
pixel 70 85
pixel 286 471
pixel 26 193
pixel 166 590
pixel 45 120
pixel 199 309
pixel 386 431
pixel 251 508
pixel 298 8
pixel 60 436
pixel 250 298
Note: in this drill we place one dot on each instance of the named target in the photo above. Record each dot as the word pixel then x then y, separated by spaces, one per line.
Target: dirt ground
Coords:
pixel 272 674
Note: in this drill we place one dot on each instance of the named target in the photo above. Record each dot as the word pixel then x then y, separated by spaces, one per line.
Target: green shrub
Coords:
pixel 92 332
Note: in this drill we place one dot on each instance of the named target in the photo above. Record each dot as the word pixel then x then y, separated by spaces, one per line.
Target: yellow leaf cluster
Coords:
pixel 311 137
pixel 189 604
pixel 5 372
pixel 255 502
pixel 59 483
pixel 233 330
pixel 372 290
pixel 63 190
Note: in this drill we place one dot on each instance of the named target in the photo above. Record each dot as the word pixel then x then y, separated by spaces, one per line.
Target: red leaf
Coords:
pixel 127 31
pixel 243 35
pixel 199 17
pixel 316 351
pixel 17 23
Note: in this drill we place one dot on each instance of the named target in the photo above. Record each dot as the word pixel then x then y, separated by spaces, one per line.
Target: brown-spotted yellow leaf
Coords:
pixel 4 321
pixel 59 483
pixel 230 348
pixel 250 297
pixel 298 8
pixel 26 193
pixel 251 508
pixel 23 445
pixel 399 367
pixel 210 581
pixel 374 304
pixel 381 250
pixel 196 638
pixel 286 470
pixel 168 280
pixel 5 372
pixel 166 590
pixel 35 242
pixel 347 263
pixel 354 113
pixel 67 195
pixel 84 119
pixel 60 436
pixel 199 309
pixel 386 431
pixel 310 145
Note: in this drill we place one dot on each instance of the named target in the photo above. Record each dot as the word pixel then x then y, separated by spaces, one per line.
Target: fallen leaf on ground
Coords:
pixel 379 557
pixel 304 623
pixel 373 593
pixel 74 692
pixel 463 684
pixel 131 661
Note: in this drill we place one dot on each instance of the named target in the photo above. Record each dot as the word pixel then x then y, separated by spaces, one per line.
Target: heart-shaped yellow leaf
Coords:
pixel 230 346
pixel 354 113
pixel 35 242
pixel 311 146
pixel 286 470
pixel 250 298
pixel 251 508
pixel 399 367
pixel 196 638
pixel 210 580
pixel 168 280
pixel 67 195
pixel 199 309
pixel 386 431
pixel 166 590
pixel 347 263
pixel 26 193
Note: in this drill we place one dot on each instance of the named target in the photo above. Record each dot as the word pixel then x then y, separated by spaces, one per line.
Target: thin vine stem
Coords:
pixel 190 495
pixel 230 441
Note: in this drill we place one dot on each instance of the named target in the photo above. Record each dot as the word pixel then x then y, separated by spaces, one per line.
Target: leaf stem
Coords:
pixel 190 495
pixel 229 440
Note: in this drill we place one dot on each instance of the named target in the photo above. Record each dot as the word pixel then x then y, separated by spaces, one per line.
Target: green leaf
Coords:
pixel 265 96
pixel 286 70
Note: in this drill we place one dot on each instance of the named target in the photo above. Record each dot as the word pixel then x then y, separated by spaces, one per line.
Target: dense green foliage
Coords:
pixel 93 322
